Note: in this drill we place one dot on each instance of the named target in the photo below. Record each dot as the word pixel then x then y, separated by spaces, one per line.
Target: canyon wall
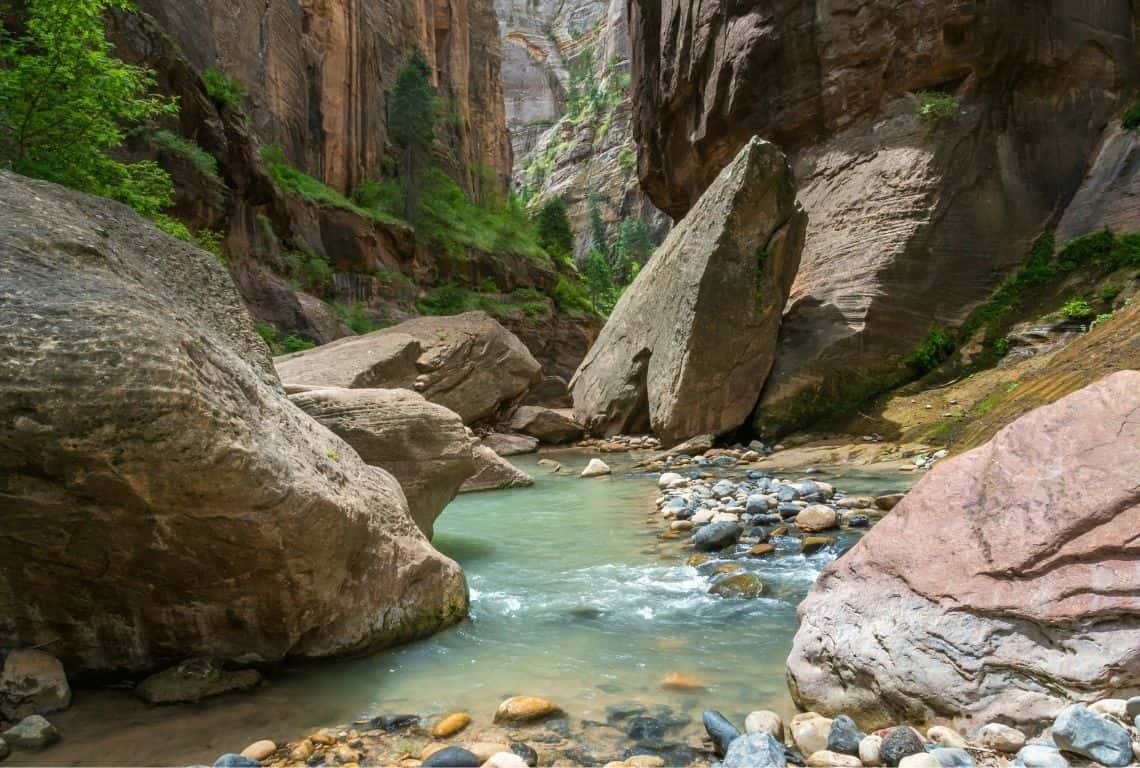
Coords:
pixel 914 218
pixel 318 74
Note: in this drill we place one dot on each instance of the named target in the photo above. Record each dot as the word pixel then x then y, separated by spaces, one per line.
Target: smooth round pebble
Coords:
pixel 259 750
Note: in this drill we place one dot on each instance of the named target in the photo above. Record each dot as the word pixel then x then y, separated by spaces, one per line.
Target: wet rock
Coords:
pixel 646 729
pixel 700 369
pixel 393 723
pixel 765 721
pixel 596 468
pixel 510 445
pixel 452 757
pixel 759 550
pixel 844 736
pixel 550 465
pixel 505 760
pixel 946 737
pixel 523 709
pixel 871 750
pixel 740 585
pixel 829 759
pixel 679 681
pixel 1001 738
pixel 1132 707
pixel 526 752
pixel 645 761
pixel 811 544
pixel 951 757
pixel 888 501
pixel 810 731
pixel 899 742
pixel 32 683
pixel 1040 756
pixel 493 472
pixel 33 732
pixel 259 750
pixel 1117 708
pixel 232 760
pixel 301 751
pixel 549 425
pixel 817 517
pixel 1085 733
pixel 720 730
pixel 755 750
pixel 195 680
pixel 920 760
pixel 451 725
pixel 716 536
pixel 859 521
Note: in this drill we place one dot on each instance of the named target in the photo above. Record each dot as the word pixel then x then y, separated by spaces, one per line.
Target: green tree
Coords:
pixel 632 248
pixel 65 101
pixel 598 281
pixel 554 232
pixel 599 237
pixel 411 124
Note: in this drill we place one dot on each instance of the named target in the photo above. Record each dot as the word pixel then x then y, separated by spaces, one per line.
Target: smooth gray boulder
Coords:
pixel 424 445
pixel 506 444
pixel 755 750
pixel 33 732
pixel 549 425
pixel 690 343
pixel 468 363
pixel 493 473
pixel 1083 732
pixel 160 496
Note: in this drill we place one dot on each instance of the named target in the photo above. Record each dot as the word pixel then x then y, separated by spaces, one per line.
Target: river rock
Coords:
pixel 510 445
pixel 950 757
pixel 1132 707
pixel 526 752
pixel 668 478
pixel 720 730
pixel 195 680
pixel 505 760
pixel 690 343
pixel 1039 550
pixel 33 732
pixel 920 760
pixel 1001 738
pixel 522 709
pixel 548 425
pixel 1086 733
pixel 899 742
pixel 871 750
pixel 596 468
pixel 844 736
pixel 259 750
pixel 493 473
pixel 467 363
pixel 829 759
pixel 741 585
pixel 765 721
pixel 5 750
pixel 163 497
pixel 716 536
pixel 817 517
pixel 888 501
pixel 755 750
pixel 451 725
pixel 32 683
pixel 1040 756
pixel 234 760
pixel 452 757
pixel 1117 708
pixel 946 737
pixel 809 732
pixel 810 544
pixel 425 446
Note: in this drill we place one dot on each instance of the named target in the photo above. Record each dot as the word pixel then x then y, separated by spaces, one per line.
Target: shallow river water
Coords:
pixel 573 597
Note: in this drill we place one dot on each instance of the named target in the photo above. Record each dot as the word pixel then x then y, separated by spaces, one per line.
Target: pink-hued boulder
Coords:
pixel 1006 584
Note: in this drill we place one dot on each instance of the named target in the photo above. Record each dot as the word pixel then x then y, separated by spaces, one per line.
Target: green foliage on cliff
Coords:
pixel 223 89
pixel 308 271
pixel 357 318
pixel 935 105
pixel 66 102
pixel 411 124
pixel 300 184
pixel 934 350
pixel 1131 118
pixel 1078 310
pixel 283 345
pixel 452 299
pixel 203 160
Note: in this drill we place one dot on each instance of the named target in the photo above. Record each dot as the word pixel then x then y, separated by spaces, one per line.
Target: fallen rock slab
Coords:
pixel 194 680
pixel 467 363
pixel 510 445
pixel 1022 555
pixel 690 343
pixel 493 473
pixel 549 425
pixel 161 496
pixel 424 445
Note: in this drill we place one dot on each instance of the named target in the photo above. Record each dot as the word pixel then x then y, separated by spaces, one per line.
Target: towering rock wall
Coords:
pixel 565 143
pixel 319 72
pixel 912 221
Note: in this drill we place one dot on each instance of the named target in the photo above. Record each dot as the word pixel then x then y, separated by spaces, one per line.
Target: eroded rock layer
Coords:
pixel 912 221
pixel 1028 597
pixel 689 344
pixel 160 497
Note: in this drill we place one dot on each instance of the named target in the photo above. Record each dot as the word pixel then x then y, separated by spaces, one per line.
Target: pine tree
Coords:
pixel 554 232
pixel 411 125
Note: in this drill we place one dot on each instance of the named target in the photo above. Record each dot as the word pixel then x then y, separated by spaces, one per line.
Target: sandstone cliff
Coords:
pixel 913 221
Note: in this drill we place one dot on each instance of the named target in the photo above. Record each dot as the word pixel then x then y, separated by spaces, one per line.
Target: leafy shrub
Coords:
pixel 356 318
pixel 1077 309
pixel 223 89
pixel 309 271
pixel 934 351
pixel 211 241
pixel 300 184
pixel 203 160
pixel 1131 119
pixel 935 105
pixel 173 227
pixel 282 346
pixel 627 158
pixel 66 102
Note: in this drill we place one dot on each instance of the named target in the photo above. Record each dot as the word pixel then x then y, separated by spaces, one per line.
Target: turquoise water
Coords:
pixel 573 597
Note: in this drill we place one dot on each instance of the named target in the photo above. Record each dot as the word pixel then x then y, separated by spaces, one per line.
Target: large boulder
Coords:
pixel 549 425
pixel 913 221
pixel 1005 585
pixel 467 363
pixel 689 345
pixel 494 473
pixel 424 445
pixel 160 496
pixel 32 683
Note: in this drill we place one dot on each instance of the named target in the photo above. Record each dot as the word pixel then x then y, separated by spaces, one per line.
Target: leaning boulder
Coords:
pixel 468 363
pixel 424 445
pixel 160 496
pixel 689 345
pixel 494 473
pixel 548 425
pixel 1021 556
